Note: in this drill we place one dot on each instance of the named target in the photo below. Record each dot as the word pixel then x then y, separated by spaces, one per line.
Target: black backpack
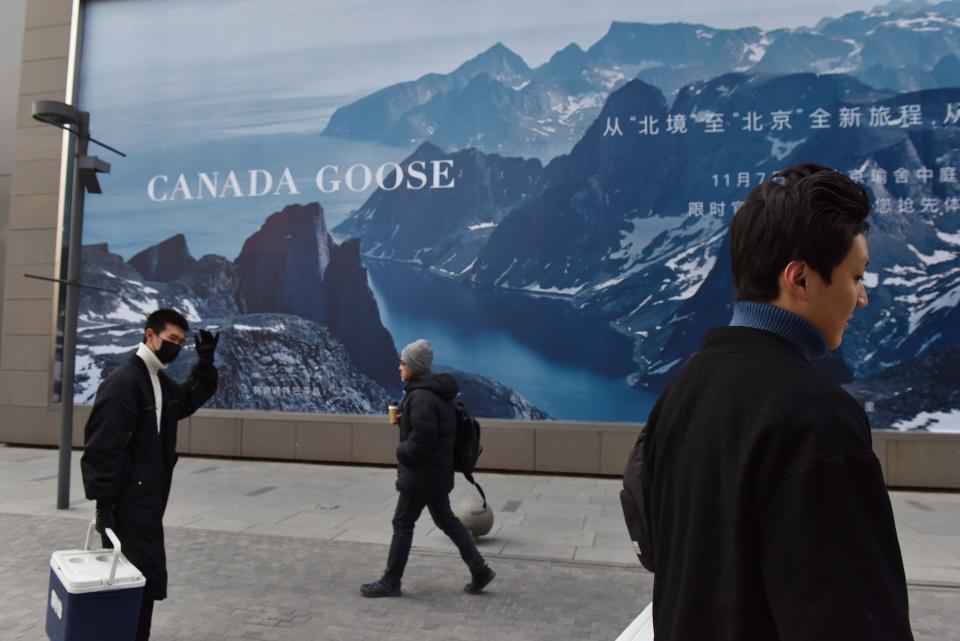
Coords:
pixel 467 448
pixel 635 500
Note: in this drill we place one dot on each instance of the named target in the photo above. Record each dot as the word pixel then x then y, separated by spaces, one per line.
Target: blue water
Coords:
pixel 572 366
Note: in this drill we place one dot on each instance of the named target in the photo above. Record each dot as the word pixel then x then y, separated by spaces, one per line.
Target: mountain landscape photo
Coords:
pixel 579 251
pixel 611 229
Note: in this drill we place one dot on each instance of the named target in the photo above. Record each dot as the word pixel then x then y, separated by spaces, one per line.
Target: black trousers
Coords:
pixel 146 617
pixel 408 511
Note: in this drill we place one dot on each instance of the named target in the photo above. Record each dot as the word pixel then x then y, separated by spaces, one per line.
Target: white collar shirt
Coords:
pixel 153 366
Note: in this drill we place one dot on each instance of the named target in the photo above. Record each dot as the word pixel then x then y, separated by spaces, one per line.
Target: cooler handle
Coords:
pixel 113 540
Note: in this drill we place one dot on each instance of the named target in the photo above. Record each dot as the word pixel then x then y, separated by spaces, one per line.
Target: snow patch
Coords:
pixel 643 232
pixel 190 312
pixel 641 305
pixel 88 377
pixel 932 421
pixel 111 349
pixel 559 291
pixel 89 325
pixel 135 314
pixel 467 268
pixel 123 332
pixel 482 226
pixel 780 149
pixel 928 22
pixel 905 269
pixel 756 51
pixel 950 239
pixel 505 272
pixel 905 282
pixel 938 256
pixel 946 301
pixel 277 328
pixel 575 104
pixel 610 77
pixel 609 283
pixel 725 91
pixel 692 268
pixel 663 369
pixel 852 61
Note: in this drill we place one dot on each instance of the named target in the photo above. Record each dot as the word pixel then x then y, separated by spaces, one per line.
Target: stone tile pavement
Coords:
pixel 275 551
pixel 238 586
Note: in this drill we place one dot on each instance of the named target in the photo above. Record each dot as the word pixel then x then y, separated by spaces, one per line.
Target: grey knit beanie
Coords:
pixel 418 355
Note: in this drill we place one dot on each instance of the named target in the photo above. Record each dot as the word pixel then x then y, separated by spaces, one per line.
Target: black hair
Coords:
pixel 159 319
pixel 805 212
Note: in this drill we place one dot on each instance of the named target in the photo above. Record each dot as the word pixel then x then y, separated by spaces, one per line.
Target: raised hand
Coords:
pixel 206 345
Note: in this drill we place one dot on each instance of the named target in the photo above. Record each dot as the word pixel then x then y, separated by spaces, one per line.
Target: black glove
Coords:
pixel 206 345
pixel 105 520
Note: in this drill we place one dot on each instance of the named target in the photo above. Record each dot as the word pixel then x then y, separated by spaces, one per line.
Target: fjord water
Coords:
pixel 572 366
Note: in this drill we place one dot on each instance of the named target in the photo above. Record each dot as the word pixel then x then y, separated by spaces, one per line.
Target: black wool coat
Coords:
pixel 428 430
pixel 126 461
pixel 770 516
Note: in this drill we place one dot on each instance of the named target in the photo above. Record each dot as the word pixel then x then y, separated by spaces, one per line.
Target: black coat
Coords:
pixel 428 430
pixel 770 516
pixel 128 463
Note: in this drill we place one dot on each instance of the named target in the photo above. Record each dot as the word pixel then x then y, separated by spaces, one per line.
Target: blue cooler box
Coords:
pixel 94 595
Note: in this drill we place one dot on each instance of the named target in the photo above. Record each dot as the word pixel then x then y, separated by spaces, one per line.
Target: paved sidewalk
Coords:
pixel 276 551
pixel 563 518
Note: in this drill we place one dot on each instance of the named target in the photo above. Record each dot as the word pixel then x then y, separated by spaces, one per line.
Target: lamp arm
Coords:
pixel 105 145
pixel 79 135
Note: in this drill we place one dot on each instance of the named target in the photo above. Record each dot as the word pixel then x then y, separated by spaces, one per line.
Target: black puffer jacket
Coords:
pixel 428 429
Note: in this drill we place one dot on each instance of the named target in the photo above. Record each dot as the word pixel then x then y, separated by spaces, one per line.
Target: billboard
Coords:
pixel 541 190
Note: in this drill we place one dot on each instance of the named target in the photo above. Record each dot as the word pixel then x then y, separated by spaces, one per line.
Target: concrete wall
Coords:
pixel 566 448
pixel 11 44
pixel 26 334
pixel 908 459
pixel 31 230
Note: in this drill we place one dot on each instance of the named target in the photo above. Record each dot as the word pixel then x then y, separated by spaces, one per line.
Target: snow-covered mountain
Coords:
pixel 300 328
pixel 266 361
pixel 498 104
pixel 632 228
pixel 447 230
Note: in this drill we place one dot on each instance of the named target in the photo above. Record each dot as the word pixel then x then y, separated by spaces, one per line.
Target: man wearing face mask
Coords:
pixel 130 445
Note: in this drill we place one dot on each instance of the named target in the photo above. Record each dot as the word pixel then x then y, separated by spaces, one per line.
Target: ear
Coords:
pixel 793 280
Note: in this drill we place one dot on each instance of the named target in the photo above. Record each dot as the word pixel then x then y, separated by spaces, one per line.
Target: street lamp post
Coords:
pixel 85 170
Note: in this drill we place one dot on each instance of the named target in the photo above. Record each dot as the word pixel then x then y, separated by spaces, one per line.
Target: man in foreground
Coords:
pixel 770 518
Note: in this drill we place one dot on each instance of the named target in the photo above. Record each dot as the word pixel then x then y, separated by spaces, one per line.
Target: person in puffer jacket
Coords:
pixel 428 428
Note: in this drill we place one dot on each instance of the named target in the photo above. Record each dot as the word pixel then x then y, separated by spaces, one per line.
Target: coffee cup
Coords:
pixel 393 414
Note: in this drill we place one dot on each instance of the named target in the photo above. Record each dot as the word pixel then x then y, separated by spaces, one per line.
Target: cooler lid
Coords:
pixel 89 571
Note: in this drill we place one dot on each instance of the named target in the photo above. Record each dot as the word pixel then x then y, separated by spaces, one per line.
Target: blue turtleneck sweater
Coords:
pixel 796 329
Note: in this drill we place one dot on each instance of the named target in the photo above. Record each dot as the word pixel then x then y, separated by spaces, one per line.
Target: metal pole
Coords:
pixel 70 316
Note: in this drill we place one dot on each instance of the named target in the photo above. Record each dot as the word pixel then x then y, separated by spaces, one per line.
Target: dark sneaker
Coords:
pixel 381 587
pixel 480 580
